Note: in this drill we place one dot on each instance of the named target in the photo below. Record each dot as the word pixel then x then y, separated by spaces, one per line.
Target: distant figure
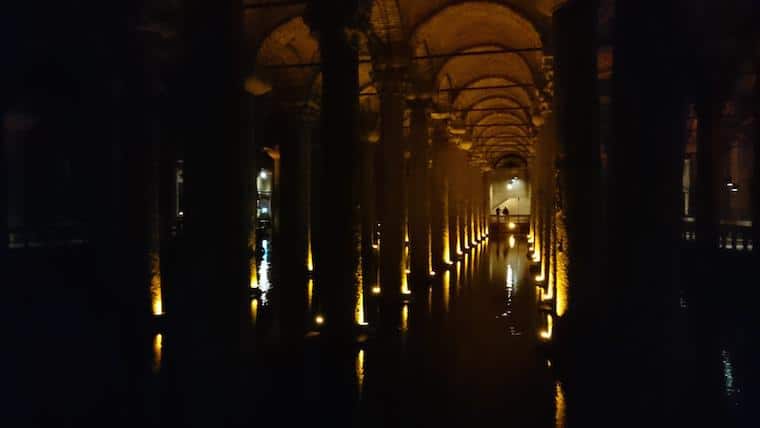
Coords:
pixel 505 211
pixel 498 212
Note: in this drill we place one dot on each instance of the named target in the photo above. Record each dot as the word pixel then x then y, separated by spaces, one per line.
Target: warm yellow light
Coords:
pixel 509 186
pixel 547 334
pixel 319 320
pixel 254 311
pixel 404 317
pixel 536 257
pixel 547 295
pixel 559 406
pixel 157 306
pixel 360 371
pixel 446 288
pixel 375 246
pixel 310 292
pixel 158 344
pixel 539 278
pixel 309 258
pixel 376 290
pixel 512 226
pixel 512 241
pixel 408 271
pixel 432 273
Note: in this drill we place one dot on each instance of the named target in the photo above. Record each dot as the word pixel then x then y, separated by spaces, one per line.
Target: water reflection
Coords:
pixel 559 405
pixel 310 294
pixel 729 384
pixel 254 311
pixel 158 343
pixel 360 372
pixel 404 317
pixel 446 281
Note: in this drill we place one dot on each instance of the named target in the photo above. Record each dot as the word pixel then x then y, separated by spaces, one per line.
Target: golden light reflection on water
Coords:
pixel 559 405
pixel 360 371
pixel 547 334
pixel 512 241
pixel 310 293
pixel 254 311
pixel 158 344
pixel 446 289
pixel 405 317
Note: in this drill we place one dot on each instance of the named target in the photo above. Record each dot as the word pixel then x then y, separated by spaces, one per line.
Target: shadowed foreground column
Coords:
pixel 339 141
pixel 211 315
pixel 419 204
pixel 392 232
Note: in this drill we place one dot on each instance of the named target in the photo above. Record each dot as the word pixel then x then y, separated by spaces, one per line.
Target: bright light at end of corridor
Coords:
pixel 512 226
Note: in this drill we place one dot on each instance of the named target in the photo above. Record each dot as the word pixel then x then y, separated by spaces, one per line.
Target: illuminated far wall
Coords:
pixel 506 193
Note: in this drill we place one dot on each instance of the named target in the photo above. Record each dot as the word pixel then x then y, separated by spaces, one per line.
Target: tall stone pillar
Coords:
pixel 393 212
pixel 419 198
pixel 708 187
pixel 368 185
pixel 452 199
pixel 213 309
pixel 339 142
pixel 292 261
pixel 641 129
pixel 439 201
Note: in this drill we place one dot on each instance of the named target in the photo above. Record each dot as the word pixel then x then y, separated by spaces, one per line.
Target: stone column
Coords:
pixel 392 229
pixel 439 198
pixel 292 242
pixel 641 129
pixel 419 198
pixel 339 142
pixel 708 188
pixel 368 184
pixel 213 309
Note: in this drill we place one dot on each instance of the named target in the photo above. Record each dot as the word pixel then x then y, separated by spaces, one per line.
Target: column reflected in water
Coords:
pixel 360 372
pixel 446 280
pixel 559 405
pixel 254 311
pixel 158 343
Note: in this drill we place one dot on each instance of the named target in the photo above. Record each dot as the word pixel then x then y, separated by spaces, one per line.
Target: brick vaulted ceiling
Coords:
pixel 432 28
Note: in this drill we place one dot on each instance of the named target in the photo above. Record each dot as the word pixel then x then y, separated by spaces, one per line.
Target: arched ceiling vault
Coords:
pixel 481 58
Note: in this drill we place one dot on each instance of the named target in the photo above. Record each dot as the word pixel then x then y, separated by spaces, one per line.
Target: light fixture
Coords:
pixel 376 290
pixel 319 319
pixel 263 174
